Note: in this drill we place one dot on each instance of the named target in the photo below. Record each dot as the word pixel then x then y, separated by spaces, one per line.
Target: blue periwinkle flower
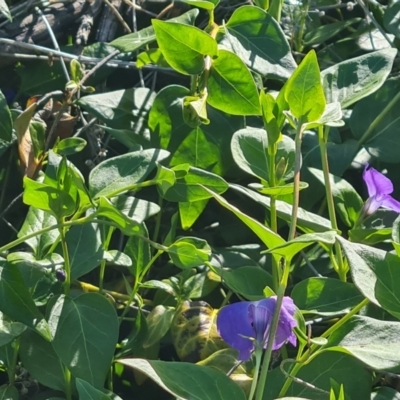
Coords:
pixel 246 325
pixel 379 189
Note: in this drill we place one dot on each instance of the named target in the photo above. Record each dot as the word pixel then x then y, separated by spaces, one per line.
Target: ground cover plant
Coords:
pixel 227 229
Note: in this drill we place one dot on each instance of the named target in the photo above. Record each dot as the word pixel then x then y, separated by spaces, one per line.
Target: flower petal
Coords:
pixel 391 203
pixel 371 205
pixel 285 332
pixel 232 322
pixel 260 318
pixel 377 183
pixel 286 323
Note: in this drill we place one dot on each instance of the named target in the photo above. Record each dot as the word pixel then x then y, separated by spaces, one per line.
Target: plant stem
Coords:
pixel 314 347
pixel 68 382
pixel 67 264
pixel 18 241
pixel 271 337
pixel 106 244
pixel 11 370
pixel 379 119
pixel 272 150
pixel 322 138
pixel 258 354
pixel 158 220
pixel 138 280
pixel 298 43
pixel 296 182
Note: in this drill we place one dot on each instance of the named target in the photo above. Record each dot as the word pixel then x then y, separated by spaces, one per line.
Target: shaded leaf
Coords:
pixel 85 332
pixel 325 296
pixel 351 80
pixel 187 381
pixel 259 40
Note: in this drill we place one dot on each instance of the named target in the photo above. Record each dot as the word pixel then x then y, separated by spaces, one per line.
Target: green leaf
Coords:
pixel 39 77
pixel 16 301
pixel 391 18
pixel 383 140
pixel 385 393
pixel 120 174
pixel 35 220
pixel 87 392
pixel 277 190
pixel 369 340
pixel 318 372
pixel 165 178
pixel 326 32
pixel 260 42
pixel 189 212
pixel 231 87
pixel 348 202
pixel 249 148
pixel 139 251
pixel 6 124
pixel 152 56
pixel 206 5
pixel 5 10
pixel 188 381
pixel 158 322
pixel 76 70
pixel 201 147
pixel 42 362
pixel 325 296
pixel 266 235
pixel 117 258
pixel 32 269
pixel 307 221
pixel 84 249
pixel 248 282
pixel 127 225
pixel 136 209
pixel 184 46
pixel 69 146
pixel 193 186
pixel 37 130
pixel 136 40
pixel 304 92
pixel 166 114
pixel 189 252
pixel 332 116
pixel 291 248
pixel 9 330
pixel 272 116
pixel 200 285
pixel 351 80
pixel 120 109
pixel 8 392
pixel 129 137
pixel 374 272
pixel 85 332
pixel 48 198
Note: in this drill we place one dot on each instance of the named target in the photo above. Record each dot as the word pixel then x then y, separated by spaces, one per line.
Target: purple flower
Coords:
pixel 379 189
pixel 246 325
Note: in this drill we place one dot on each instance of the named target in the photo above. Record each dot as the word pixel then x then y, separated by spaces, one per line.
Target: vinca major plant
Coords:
pixel 244 244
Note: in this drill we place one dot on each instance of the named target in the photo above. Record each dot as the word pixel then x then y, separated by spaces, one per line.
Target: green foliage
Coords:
pixel 304 93
pixel 184 46
pixel 231 172
pixel 231 87
pixel 198 377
